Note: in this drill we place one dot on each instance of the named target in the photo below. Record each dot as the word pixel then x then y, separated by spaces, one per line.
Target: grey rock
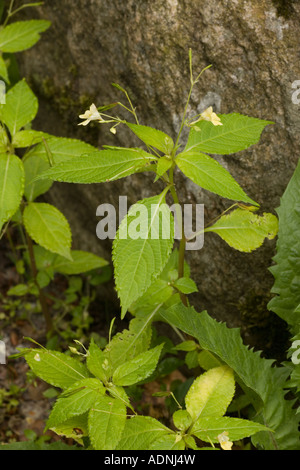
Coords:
pixel 143 45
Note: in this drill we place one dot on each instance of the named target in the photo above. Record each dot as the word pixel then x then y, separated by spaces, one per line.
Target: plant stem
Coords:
pixel 42 297
pixel 182 245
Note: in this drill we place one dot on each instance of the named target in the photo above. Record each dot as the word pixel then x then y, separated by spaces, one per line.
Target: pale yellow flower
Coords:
pixel 209 115
pixel 91 114
pixel 224 441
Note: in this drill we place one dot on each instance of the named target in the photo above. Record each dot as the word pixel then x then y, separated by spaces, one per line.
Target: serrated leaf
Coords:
pixel 95 360
pixel 56 368
pixel 48 227
pixel 209 428
pixel 34 166
pixel 244 230
pixel 286 269
pixel 138 368
pixel 129 343
pixel 140 432
pixel 20 108
pixel 211 175
pixel 106 423
pixel 262 382
pixel 237 133
pixel 28 138
pixel 211 393
pixel 73 428
pixel 12 178
pixel 76 400
pixel 99 167
pixel 22 35
pixel 62 149
pixel 153 137
pixel 140 256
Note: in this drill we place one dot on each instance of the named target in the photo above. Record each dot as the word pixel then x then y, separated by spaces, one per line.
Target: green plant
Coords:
pixel 286 269
pixel 46 237
pixel 153 283
pixel 94 408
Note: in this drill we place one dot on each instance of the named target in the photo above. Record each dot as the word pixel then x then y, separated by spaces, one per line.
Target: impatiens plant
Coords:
pixel 24 153
pixel 95 410
pixel 95 406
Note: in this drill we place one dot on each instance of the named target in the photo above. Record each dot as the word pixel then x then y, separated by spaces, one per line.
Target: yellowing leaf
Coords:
pixel 211 393
pixel 244 230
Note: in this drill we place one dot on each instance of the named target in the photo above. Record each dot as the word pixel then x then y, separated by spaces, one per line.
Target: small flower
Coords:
pixel 37 357
pixel 91 114
pixel 224 441
pixel 207 115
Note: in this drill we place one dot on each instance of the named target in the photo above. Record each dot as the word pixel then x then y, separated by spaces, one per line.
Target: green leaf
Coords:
pixel 107 420
pixel 4 141
pixel 141 248
pixel 28 138
pixel 62 149
pixel 262 382
pixel 138 368
pixel 95 361
pixel 209 428
pixel 244 230
pixel 56 368
pixel 140 432
pixel 20 109
pixel 211 393
pixel 237 133
pixel 21 35
pixel 160 290
pixel 187 346
pixel 182 420
pixel 76 400
pixel 19 290
pixel 186 285
pixel 211 175
pixel 207 360
pixel 168 442
pixel 3 70
pixel 73 428
pixel 153 137
pixel 163 165
pixel 12 180
pixel 286 268
pixel 48 227
pixel 82 262
pixel 34 166
pixel 99 167
pixel 129 343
